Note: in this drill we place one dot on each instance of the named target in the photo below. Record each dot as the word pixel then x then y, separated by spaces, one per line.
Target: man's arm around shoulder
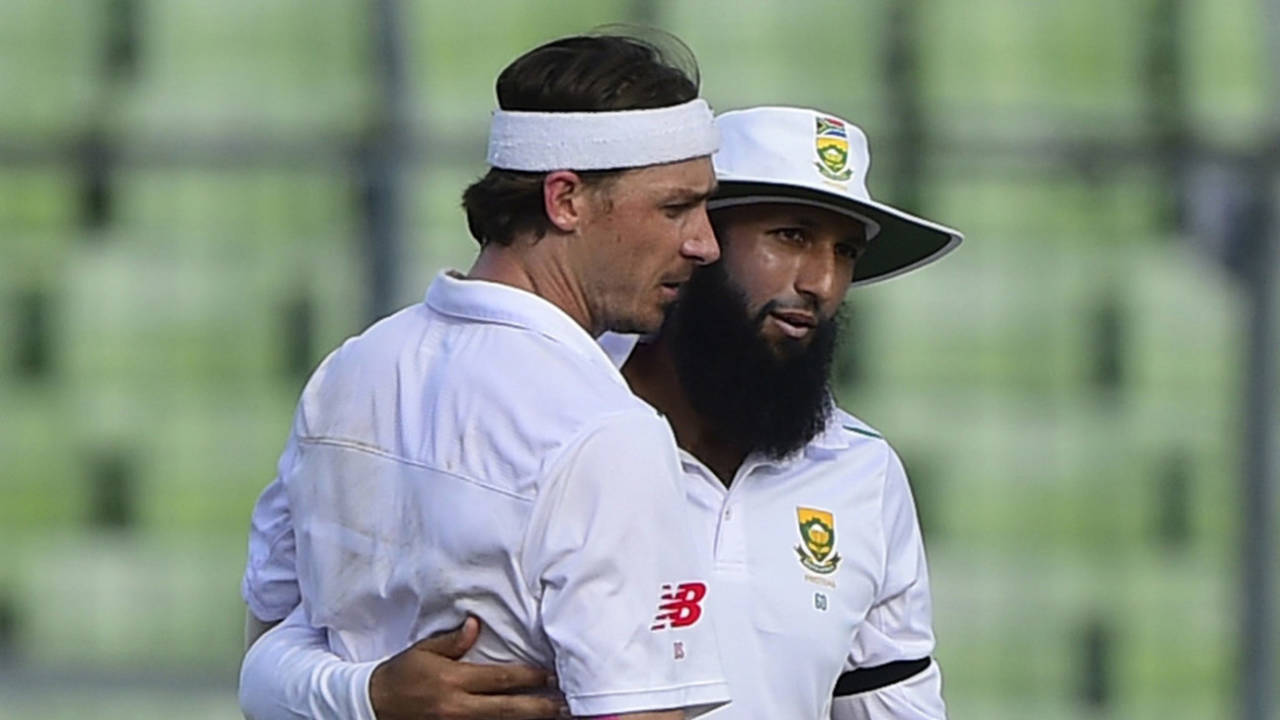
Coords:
pixel 291 674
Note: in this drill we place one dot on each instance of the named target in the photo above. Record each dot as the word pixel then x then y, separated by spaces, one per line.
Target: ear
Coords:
pixel 563 199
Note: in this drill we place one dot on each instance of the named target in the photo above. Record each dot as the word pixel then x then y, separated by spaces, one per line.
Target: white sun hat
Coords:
pixel 795 155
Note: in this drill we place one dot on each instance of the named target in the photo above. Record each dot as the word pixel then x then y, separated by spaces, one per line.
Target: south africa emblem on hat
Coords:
pixel 818 540
pixel 831 142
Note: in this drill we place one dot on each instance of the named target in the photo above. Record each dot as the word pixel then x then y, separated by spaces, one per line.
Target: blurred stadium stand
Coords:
pixel 199 199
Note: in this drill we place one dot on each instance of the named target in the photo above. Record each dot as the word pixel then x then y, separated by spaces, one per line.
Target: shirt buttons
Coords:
pixel 728 514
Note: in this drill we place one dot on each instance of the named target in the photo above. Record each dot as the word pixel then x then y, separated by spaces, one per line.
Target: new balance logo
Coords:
pixel 678 606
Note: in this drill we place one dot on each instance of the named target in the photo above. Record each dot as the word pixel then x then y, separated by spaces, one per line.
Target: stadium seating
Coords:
pixel 1064 390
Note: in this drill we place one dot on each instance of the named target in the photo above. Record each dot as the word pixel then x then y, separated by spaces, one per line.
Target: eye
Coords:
pixel 848 250
pixel 675 210
pixel 791 235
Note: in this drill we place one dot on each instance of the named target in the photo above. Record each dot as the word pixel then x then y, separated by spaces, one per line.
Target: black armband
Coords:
pixel 867 679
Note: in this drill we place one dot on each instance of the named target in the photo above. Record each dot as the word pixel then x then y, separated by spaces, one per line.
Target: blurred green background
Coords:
pixel 186 194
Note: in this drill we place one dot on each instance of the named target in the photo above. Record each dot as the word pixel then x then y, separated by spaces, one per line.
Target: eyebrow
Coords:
pixel 859 240
pixel 801 221
pixel 685 196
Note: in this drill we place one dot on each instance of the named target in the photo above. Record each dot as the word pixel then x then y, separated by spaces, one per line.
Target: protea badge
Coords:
pixel 818 540
pixel 831 142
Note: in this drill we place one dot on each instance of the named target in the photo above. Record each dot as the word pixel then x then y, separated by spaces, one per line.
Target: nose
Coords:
pixel 700 246
pixel 819 276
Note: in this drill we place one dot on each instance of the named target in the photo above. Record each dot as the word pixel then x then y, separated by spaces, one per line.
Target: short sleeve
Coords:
pixel 892 649
pixel 270 583
pixel 621 577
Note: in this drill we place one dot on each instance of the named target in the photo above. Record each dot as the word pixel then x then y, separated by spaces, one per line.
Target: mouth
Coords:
pixel 671 289
pixel 794 324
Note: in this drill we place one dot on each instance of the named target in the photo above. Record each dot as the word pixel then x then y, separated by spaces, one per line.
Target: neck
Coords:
pixel 541 266
pixel 651 372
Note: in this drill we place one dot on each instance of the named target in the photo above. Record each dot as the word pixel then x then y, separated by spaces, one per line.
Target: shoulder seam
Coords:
pixel 368 449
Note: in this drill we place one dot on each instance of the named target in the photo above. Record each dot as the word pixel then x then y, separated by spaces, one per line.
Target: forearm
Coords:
pixel 291 674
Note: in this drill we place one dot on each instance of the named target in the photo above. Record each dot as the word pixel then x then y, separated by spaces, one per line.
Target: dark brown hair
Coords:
pixel 582 73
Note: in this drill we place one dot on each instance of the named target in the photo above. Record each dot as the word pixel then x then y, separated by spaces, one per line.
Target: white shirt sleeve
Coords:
pixel 899 626
pixel 291 674
pixel 270 583
pixel 919 697
pixel 621 576
pixel 609 530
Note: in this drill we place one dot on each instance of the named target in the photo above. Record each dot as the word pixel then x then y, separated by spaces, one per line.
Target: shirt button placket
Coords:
pixel 731 549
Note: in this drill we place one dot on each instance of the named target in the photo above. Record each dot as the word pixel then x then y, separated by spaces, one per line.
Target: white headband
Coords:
pixel 546 141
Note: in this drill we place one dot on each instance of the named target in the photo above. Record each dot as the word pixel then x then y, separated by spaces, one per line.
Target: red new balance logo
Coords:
pixel 678 605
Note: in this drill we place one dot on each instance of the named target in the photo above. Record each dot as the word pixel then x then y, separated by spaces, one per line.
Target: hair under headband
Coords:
pixel 546 141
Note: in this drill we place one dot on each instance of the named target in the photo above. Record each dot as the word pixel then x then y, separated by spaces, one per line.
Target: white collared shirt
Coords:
pixel 819 569
pixel 790 617
pixel 792 622
pixel 480 454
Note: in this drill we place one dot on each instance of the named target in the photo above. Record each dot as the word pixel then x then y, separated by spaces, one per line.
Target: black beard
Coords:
pixel 763 398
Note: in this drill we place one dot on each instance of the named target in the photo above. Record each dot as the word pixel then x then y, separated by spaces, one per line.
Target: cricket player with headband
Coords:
pixel 479 455
pixel 820 584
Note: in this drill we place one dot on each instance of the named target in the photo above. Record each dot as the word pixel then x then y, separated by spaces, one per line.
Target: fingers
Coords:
pixel 453 644
pixel 512 707
pixel 500 678
pixel 432 672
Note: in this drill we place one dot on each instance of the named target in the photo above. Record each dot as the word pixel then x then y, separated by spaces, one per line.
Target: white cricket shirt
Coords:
pixel 818 569
pixel 480 454
pixel 792 613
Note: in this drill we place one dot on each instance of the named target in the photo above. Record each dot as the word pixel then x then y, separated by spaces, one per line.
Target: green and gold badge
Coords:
pixel 831 142
pixel 818 540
